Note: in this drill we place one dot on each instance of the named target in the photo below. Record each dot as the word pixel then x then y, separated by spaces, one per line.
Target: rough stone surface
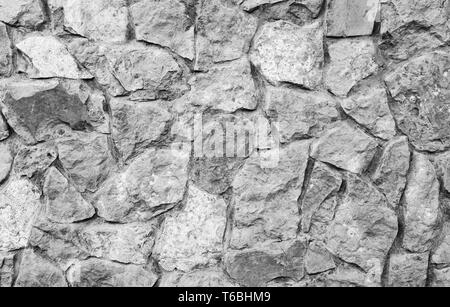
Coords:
pixel 408 270
pixel 345 147
pixel 285 52
pixel 352 17
pixel 351 60
pixel 201 143
pixel 421 208
pixel 420 90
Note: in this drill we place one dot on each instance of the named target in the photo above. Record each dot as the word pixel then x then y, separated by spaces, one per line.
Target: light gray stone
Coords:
pixel 169 23
pixel 352 17
pixel 421 208
pixel 421 91
pixel 345 147
pixel 6 160
pixel 300 113
pixel 203 278
pixel 351 60
pixel 285 52
pixel 314 6
pixel 5 51
pixel 4 129
pixel 104 20
pixel 26 13
pixel 441 278
pixel 392 169
pixel 441 163
pixel 318 259
pixel 441 255
pixel 408 270
pixel 6 270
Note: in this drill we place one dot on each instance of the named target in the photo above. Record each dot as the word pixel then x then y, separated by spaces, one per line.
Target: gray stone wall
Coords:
pixel 224 143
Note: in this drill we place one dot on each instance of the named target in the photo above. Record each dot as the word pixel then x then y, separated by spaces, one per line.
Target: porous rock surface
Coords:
pixel 200 143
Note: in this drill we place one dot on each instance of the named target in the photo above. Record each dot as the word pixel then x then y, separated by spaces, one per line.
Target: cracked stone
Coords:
pixel 300 113
pixel 352 17
pixel 25 13
pixel 285 52
pixel 102 273
pixel 318 259
pixel 153 183
pixel 228 88
pixel 421 92
pixel 136 125
pixel 408 270
pixel 167 23
pixel 345 147
pixel 368 105
pixel 224 33
pixel 6 160
pixel 50 58
pixel 266 206
pixel 19 204
pixel 148 72
pixel 5 51
pixel 258 266
pixel 392 170
pixel 64 204
pixel 193 237
pixel 35 271
pixel 421 207
pixel 351 60
pixel 105 20
pixel 203 278
pixel 364 228
pixel 323 184
pixel 33 161
pixel 6 270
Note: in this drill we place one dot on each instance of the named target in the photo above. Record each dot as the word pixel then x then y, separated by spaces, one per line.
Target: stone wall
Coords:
pixel 103 183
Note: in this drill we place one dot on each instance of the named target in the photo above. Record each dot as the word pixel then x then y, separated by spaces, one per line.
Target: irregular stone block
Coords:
pixel 392 169
pixel 105 20
pixel 314 6
pixel 408 270
pixel 421 92
pixel 6 270
pixel 324 182
pixel 318 259
pixel 352 17
pixel 26 13
pixel 265 200
pixel 441 163
pixel 154 183
pixel 421 208
pixel 33 161
pixel 203 278
pixel 224 33
pixel 285 52
pixel 351 60
pixel 345 147
pixel 368 105
pixel 193 237
pixel 101 273
pixel 364 228
pixel 168 23
pixel 5 51
pixel 6 160
pixel 19 204
pixel 4 129
pixel 441 254
pixel 49 58
pixel 64 204
pixel 136 125
pixel 441 278
pixel 300 113
pixel 35 271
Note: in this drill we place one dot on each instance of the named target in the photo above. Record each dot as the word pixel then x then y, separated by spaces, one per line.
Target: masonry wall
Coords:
pixel 224 143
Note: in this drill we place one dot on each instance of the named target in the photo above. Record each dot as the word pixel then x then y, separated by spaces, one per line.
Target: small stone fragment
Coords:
pixel 324 182
pixel 105 20
pixel 6 160
pixel 137 124
pixel 352 17
pixel 408 270
pixel 64 204
pixel 421 208
pixel 101 273
pixel 300 113
pixel 193 237
pixel 19 204
pixel 368 105
pixel 420 89
pixel 345 147
pixel 49 58
pixel 168 23
pixel 364 228
pixel 351 60
pixel 392 170
pixel 285 52
pixel 318 259
pixel 224 33
pixel 35 271
pixel 26 13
